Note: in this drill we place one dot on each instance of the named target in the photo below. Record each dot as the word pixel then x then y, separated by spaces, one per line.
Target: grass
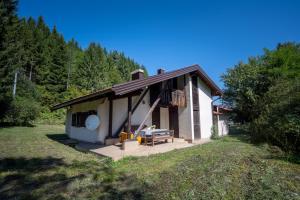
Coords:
pixel 35 165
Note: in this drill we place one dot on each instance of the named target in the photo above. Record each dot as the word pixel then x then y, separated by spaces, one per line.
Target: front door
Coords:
pixel 156 117
pixel 197 134
pixel 173 120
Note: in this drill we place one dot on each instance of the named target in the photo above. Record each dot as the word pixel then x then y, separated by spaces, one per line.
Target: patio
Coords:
pixel 116 153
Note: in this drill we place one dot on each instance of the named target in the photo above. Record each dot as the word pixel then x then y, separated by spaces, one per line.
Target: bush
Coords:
pixel 279 121
pixel 22 111
pixel 214 132
pixel 48 117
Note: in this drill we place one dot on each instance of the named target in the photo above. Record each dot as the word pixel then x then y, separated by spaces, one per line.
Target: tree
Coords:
pixel 265 95
pixel 55 82
pixel 74 56
pixel 14 55
pixel 93 65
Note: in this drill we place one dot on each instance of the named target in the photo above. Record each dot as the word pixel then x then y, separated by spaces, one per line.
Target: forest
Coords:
pixel 39 68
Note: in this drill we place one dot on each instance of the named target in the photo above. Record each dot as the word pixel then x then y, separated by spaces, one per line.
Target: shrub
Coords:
pixel 22 111
pixel 279 121
pixel 214 132
pixel 48 117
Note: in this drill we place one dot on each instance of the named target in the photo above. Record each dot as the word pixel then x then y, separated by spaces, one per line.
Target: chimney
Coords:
pixel 160 71
pixel 137 74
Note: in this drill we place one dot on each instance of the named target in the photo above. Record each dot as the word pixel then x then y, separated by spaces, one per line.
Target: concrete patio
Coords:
pixel 116 153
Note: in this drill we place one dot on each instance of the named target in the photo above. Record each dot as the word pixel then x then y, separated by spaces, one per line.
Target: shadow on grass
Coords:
pixel 295 159
pixel 275 152
pixel 242 138
pixel 61 137
pixel 11 125
pixel 52 178
pixel 29 165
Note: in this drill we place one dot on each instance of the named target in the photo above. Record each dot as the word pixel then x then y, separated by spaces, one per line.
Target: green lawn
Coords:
pixel 34 165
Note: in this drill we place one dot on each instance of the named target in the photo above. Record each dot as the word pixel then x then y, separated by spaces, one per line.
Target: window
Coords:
pixel 78 119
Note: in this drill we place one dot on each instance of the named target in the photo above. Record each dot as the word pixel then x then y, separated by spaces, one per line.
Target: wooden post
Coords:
pixel 110 117
pixel 129 114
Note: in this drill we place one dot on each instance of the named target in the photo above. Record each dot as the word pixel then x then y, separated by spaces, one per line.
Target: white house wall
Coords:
pixel 81 133
pixel 68 121
pixel 102 107
pixel 119 113
pixel 223 128
pixel 185 114
pixel 164 118
pixel 120 107
pixel 205 100
pixel 141 111
pixel 103 114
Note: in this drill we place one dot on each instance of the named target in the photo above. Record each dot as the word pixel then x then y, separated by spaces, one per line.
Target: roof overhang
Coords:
pixel 89 97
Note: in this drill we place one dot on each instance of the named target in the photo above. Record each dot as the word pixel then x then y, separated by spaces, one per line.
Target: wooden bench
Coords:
pixel 155 137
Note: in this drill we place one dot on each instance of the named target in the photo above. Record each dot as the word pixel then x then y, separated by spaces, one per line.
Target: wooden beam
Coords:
pixel 133 109
pixel 148 114
pixel 129 114
pixel 163 89
pixel 110 117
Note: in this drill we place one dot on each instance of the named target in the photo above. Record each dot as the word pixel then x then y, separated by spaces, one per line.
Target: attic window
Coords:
pixel 78 119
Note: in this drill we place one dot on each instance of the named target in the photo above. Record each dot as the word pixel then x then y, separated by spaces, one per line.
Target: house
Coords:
pixel 221 119
pixel 179 100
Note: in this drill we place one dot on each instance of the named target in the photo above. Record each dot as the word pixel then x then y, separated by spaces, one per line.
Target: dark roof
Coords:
pixel 124 88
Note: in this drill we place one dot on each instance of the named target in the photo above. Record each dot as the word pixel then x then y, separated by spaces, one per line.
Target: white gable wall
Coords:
pixel 205 100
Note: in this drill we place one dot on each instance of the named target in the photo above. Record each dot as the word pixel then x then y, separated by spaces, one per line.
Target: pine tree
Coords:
pixel 74 56
pixel 43 56
pixel 56 79
pixel 10 46
pixel 93 65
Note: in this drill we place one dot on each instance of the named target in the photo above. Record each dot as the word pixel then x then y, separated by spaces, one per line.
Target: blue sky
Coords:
pixel 173 34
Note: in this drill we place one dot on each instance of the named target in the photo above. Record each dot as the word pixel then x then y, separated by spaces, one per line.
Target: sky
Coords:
pixel 174 34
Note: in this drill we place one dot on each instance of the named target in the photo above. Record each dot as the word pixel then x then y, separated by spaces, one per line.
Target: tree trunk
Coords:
pixel 15 84
pixel 30 73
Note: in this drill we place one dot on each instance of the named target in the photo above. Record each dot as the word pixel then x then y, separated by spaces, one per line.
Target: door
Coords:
pixel 197 134
pixel 156 117
pixel 173 120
